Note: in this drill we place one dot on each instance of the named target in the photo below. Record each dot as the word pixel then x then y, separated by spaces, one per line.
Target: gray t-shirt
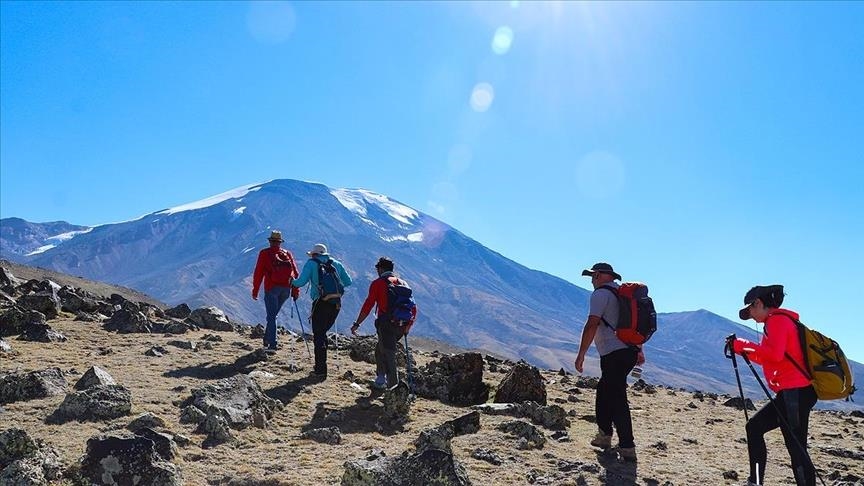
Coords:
pixel 605 304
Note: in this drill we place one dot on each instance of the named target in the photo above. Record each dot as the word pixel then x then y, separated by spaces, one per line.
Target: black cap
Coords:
pixel 601 267
pixel 770 295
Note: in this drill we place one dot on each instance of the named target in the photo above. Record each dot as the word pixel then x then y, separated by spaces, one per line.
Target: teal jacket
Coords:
pixel 309 274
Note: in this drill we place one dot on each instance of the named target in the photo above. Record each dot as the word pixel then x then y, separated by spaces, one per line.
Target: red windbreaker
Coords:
pixel 264 270
pixel 780 338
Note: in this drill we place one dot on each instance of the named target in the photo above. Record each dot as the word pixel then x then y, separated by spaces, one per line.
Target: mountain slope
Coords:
pixel 20 238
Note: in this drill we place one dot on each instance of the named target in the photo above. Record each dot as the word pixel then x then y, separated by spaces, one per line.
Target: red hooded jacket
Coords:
pixel 780 339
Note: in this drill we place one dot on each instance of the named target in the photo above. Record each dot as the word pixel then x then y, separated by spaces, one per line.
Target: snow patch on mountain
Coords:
pixel 239 211
pixel 413 237
pixel 58 239
pixel 356 201
pixel 213 200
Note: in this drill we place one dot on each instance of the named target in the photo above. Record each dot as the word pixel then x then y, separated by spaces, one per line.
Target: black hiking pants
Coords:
pixel 324 313
pixel 385 351
pixel 795 406
pixel 611 406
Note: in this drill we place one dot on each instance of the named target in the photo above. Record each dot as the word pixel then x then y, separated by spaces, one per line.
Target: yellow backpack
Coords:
pixel 826 365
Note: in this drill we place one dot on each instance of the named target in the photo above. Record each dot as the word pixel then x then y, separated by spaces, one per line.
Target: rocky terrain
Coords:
pixel 101 389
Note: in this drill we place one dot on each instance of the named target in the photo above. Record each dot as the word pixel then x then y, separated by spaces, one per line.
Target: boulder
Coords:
pixel 45 302
pixel 180 311
pixel 24 461
pixel 210 318
pixel 440 437
pixel 15 319
pixel 145 420
pixel 127 460
pixel 8 282
pixel 100 402
pixel 157 351
pixel 41 333
pixel 456 379
pixel 325 435
pixel 739 404
pixel 431 466
pixel 238 399
pixel 190 345
pixel 217 429
pixel 175 327
pixel 82 316
pixel 552 416
pixel 528 435
pixel 93 377
pixel 523 383
pixel 18 386
pixel 164 443
pixel 76 300
pixel 397 403
pixel 128 320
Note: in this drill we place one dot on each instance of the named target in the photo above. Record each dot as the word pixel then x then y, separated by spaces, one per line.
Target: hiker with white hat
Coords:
pixel 327 278
pixel 277 270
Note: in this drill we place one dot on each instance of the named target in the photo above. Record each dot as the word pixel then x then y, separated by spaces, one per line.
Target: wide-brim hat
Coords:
pixel 601 267
pixel 770 295
pixel 318 249
pixel 275 236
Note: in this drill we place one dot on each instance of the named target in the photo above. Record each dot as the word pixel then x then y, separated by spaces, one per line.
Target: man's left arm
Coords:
pixel 588 333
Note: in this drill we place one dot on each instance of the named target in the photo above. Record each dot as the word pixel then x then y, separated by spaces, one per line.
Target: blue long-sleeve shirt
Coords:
pixel 309 274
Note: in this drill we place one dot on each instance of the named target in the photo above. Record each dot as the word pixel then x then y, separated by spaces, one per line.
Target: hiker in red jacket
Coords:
pixel 388 334
pixel 795 395
pixel 276 268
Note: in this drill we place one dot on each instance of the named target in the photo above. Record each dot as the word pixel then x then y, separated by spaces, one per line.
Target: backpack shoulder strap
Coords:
pixel 615 293
pixel 798 324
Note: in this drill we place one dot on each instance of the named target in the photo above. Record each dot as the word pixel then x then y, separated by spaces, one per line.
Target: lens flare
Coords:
pixel 481 97
pixel 502 40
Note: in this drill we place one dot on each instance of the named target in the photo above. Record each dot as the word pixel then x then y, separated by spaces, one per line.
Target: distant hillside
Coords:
pixel 20 238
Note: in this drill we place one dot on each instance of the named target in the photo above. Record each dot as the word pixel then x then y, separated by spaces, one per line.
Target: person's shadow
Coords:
pixel 289 390
pixel 363 417
pixel 618 473
pixel 206 371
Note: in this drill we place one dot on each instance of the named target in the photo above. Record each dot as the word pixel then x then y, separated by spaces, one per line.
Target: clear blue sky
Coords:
pixel 700 147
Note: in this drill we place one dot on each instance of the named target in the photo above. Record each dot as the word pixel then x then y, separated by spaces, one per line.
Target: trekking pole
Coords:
pixel 782 418
pixel 303 330
pixel 408 364
pixel 336 339
pixel 729 353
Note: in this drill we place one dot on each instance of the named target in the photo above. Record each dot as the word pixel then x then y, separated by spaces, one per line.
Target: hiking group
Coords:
pixel 799 364
pixel 327 280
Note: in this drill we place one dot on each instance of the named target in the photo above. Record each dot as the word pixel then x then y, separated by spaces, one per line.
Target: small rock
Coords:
pixel 93 377
pixel 327 435
pixel 146 420
pixel 486 455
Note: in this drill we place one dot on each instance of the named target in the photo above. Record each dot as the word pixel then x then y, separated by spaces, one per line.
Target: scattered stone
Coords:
pixel 212 338
pixel 99 402
pixel 326 435
pixel 589 382
pixel 257 332
pixel 560 436
pixel 19 386
pixel 45 301
pixel 128 320
pixel 844 453
pixel 14 320
pixel 157 351
pixel 181 311
pixel 397 403
pixel 456 379
pixel 243 346
pixel 737 403
pixel 146 420
pixel 211 318
pixel 237 399
pixel 362 348
pixel 641 386
pixel 486 455
pixel 93 377
pixel 24 461
pixel 428 467
pixel 660 446
pixel 42 333
pixel 733 475
pixel 127 460
pixel 82 316
pixel 440 437
pixel 552 416
pixel 183 345
pixel 528 435
pixel 522 384
pixel 5 348
pixel 217 430
pixel 77 300
pixel 175 327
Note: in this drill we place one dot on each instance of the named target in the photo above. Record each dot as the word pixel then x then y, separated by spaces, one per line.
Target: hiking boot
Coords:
pixel 627 453
pixel 602 441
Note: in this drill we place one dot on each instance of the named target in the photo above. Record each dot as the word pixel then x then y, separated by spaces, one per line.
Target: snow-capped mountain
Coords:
pixel 203 253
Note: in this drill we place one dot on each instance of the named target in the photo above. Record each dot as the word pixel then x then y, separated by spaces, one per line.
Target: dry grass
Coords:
pixel 696 452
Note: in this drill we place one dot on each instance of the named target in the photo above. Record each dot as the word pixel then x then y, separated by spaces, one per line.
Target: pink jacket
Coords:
pixel 780 338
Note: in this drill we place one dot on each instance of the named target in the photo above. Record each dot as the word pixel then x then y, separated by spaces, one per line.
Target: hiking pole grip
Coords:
pixel 728 351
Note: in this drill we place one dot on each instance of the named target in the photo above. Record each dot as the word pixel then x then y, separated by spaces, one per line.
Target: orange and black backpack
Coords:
pixel 637 319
